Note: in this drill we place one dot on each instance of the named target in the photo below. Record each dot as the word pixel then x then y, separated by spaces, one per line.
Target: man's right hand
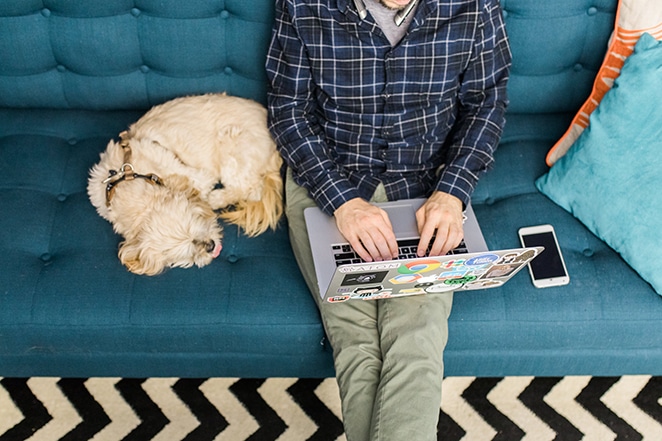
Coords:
pixel 368 230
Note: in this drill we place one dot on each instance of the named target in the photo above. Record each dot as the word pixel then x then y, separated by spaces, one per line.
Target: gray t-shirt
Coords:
pixel 385 19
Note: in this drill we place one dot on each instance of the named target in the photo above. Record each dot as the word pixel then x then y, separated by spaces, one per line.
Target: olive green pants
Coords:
pixel 387 353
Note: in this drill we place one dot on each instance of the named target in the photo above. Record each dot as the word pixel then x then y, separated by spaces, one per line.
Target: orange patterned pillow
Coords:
pixel 633 18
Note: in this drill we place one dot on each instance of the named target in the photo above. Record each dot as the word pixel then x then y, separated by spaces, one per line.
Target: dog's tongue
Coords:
pixel 217 250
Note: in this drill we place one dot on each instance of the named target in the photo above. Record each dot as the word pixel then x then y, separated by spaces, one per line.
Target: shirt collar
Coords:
pixel 344 4
pixel 427 5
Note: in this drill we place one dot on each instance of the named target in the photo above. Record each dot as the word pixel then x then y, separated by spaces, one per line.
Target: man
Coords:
pixel 383 100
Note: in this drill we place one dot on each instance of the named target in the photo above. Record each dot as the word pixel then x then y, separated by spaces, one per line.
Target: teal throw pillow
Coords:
pixel 611 178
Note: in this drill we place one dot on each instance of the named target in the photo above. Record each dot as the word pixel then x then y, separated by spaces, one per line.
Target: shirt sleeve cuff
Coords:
pixel 457 183
pixel 330 191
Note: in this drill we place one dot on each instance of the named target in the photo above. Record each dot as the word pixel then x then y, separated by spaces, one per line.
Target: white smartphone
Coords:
pixel 548 268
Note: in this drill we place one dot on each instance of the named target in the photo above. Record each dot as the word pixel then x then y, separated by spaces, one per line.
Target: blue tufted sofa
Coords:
pixel 73 74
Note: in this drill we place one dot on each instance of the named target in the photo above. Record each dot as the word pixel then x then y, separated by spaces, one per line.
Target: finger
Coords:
pixel 389 243
pixel 379 239
pixel 446 242
pixel 358 247
pixel 368 229
pixel 425 241
pixel 377 244
pixel 425 232
pixel 373 243
pixel 386 244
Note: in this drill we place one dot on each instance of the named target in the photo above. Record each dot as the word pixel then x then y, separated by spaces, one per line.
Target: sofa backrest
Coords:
pixel 126 54
pixel 558 47
pixel 132 54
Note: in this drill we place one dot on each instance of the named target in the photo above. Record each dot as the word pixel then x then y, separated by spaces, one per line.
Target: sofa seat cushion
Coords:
pixel 82 313
pixel 605 322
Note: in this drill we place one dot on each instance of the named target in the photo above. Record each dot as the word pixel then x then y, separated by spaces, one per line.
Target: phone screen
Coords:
pixel 548 264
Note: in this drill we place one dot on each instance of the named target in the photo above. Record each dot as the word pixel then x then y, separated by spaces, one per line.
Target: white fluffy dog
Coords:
pixel 177 169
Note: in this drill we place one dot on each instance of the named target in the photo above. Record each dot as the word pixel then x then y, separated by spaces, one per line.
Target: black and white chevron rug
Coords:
pixel 290 409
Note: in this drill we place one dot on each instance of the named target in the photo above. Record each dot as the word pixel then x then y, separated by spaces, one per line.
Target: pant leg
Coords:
pixel 351 328
pixel 387 353
pixel 413 333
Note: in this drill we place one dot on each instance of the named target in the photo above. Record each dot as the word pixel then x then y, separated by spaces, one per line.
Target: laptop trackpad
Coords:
pixel 403 218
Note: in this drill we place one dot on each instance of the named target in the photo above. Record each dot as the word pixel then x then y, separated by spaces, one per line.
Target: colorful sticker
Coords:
pixel 364 278
pixel 525 256
pixel 404 278
pixel 439 288
pixel 460 280
pixel 501 271
pixel 454 263
pixel 379 266
pixel 457 273
pixel 367 290
pixel 483 259
pixel 371 293
pixel 483 283
pixel 419 266
pixel 410 291
pixel 508 258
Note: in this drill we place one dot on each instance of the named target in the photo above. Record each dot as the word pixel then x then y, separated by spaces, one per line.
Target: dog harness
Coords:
pixel 126 171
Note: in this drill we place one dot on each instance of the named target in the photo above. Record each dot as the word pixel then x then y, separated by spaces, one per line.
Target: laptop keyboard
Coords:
pixel 344 254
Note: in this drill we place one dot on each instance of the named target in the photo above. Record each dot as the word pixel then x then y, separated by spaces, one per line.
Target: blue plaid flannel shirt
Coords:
pixel 349 111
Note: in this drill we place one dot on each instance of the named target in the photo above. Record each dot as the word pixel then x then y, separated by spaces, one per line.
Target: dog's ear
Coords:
pixel 137 260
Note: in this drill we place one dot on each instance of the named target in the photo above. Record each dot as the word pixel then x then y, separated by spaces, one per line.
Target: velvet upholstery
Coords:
pixel 608 177
pixel 75 74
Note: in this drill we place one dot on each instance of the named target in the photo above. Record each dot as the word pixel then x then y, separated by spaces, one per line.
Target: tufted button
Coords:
pixel 225 14
pixel 588 252
pixel 144 68
pixel 60 68
pixel 136 12
pixel 72 141
pixel 233 258
pixel 592 11
pixel 62 197
pixel 228 70
pixel 490 201
pixel 46 12
pixel 46 257
pixel 578 67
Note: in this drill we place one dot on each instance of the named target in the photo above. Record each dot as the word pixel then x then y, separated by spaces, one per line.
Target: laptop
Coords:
pixel 342 276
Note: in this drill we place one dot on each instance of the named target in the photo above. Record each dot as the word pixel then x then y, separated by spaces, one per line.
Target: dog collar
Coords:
pixel 126 171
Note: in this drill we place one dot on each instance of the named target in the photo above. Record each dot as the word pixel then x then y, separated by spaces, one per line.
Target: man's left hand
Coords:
pixel 440 215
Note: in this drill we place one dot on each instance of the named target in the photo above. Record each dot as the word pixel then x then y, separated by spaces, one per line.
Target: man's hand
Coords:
pixel 368 230
pixel 441 215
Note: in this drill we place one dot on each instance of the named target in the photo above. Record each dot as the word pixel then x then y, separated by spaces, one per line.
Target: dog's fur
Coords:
pixel 214 156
